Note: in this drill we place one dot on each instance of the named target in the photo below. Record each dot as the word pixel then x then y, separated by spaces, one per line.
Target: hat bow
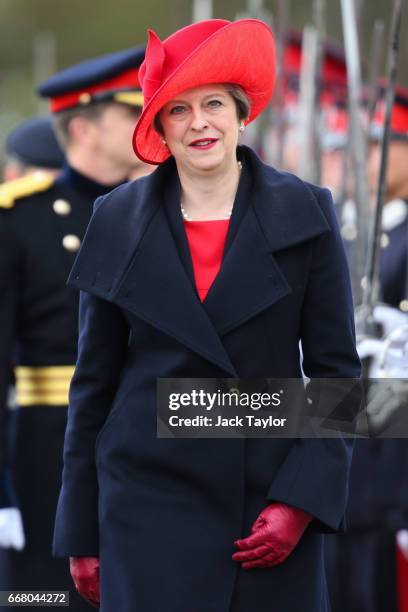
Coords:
pixel 151 72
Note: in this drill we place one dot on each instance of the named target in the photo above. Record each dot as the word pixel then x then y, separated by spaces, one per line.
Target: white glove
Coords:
pixel 369 347
pixel 402 540
pixel 11 529
pixel 390 318
pixel 385 398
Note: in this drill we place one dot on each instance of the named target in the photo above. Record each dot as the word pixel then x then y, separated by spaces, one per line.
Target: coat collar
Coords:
pixel 275 211
pixel 135 253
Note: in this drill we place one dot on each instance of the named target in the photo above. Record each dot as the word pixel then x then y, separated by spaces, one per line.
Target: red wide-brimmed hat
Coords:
pixel 213 51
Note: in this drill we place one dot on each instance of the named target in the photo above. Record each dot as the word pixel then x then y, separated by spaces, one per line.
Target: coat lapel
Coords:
pixel 248 282
pixel 159 287
pixel 273 211
pixel 135 253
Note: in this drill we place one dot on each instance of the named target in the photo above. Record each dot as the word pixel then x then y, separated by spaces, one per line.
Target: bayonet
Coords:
pixel 357 140
pixel 371 290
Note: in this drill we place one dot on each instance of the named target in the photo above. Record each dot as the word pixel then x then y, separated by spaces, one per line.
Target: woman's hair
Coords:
pixel 242 103
pixel 241 100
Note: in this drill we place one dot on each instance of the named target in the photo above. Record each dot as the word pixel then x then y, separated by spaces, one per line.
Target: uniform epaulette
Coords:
pixel 25 186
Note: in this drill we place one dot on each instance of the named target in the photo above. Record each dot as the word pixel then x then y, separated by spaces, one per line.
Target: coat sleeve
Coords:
pixel 102 347
pixel 10 276
pixel 314 475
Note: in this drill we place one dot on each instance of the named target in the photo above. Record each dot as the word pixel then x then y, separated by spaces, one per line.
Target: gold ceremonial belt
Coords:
pixel 43 386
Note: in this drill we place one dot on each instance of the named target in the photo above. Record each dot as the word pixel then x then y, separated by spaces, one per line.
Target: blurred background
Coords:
pixel 38 37
pixel 307 130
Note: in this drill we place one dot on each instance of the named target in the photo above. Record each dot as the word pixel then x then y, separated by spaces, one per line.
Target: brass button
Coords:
pixel 404 305
pixel 71 242
pixel 385 241
pixel 349 232
pixel 85 98
pixel 62 207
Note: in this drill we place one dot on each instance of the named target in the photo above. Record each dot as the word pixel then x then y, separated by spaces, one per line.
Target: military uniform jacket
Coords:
pixel 393 262
pixel 378 492
pixel 42 221
pixel 38 245
pixel 163 514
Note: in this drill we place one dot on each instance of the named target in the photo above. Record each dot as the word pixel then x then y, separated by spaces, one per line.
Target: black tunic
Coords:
pixel 38 328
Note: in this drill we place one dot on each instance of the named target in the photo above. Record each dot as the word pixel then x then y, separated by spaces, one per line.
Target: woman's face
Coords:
pixel 201 128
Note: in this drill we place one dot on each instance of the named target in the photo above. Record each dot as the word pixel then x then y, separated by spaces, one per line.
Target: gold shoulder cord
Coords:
pixel 30 184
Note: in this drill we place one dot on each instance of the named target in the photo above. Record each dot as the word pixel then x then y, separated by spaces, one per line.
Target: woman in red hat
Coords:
pixel 215 266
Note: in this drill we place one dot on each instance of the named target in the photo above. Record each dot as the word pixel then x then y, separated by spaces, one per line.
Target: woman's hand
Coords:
pixel 85 574
pixel 274 535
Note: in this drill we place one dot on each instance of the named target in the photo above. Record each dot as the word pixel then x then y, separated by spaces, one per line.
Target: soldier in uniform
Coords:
pixel 362 564
pixel 95 107
pixel 30 146
pixel 333 89
pixel 393 265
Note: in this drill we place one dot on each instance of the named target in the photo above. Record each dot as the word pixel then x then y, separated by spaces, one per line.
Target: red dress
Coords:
pixel 206 240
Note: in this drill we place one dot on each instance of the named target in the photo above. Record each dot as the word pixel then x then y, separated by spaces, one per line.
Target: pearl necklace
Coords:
pixel 186 217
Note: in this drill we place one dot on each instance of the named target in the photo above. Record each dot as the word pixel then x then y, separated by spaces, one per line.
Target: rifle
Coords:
pixel 258 132
pixel 202 9
pixel 371 289
pixel 308 145
pixel 309 98
pixel 357 140
pixel 375 65
pixel 279 98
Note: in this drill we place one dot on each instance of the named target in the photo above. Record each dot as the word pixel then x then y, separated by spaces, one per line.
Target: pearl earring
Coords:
pixel 164 142
pixel 241 126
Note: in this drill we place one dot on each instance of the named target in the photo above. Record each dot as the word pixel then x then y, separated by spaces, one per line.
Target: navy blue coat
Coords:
pixel 163 514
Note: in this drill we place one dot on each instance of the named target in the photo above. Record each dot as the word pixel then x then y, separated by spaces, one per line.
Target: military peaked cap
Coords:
pixel 33 143
pixel 399 115
pixel 109 77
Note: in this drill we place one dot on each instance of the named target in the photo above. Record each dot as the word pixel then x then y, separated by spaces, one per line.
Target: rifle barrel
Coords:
pixel 372 285
pixel 357 138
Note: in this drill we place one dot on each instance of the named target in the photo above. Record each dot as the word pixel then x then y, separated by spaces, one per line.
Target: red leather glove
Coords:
pixel 274 535
pixel 85 574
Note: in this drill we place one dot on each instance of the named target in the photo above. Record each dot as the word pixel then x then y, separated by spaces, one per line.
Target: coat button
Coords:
pixel 385 241
pixel 404 305
pixel 84 98
pixel 71 242
pixel 61 207
pixel 349 232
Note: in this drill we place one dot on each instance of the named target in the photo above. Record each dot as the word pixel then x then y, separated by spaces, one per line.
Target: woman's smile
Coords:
pixel 204 143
